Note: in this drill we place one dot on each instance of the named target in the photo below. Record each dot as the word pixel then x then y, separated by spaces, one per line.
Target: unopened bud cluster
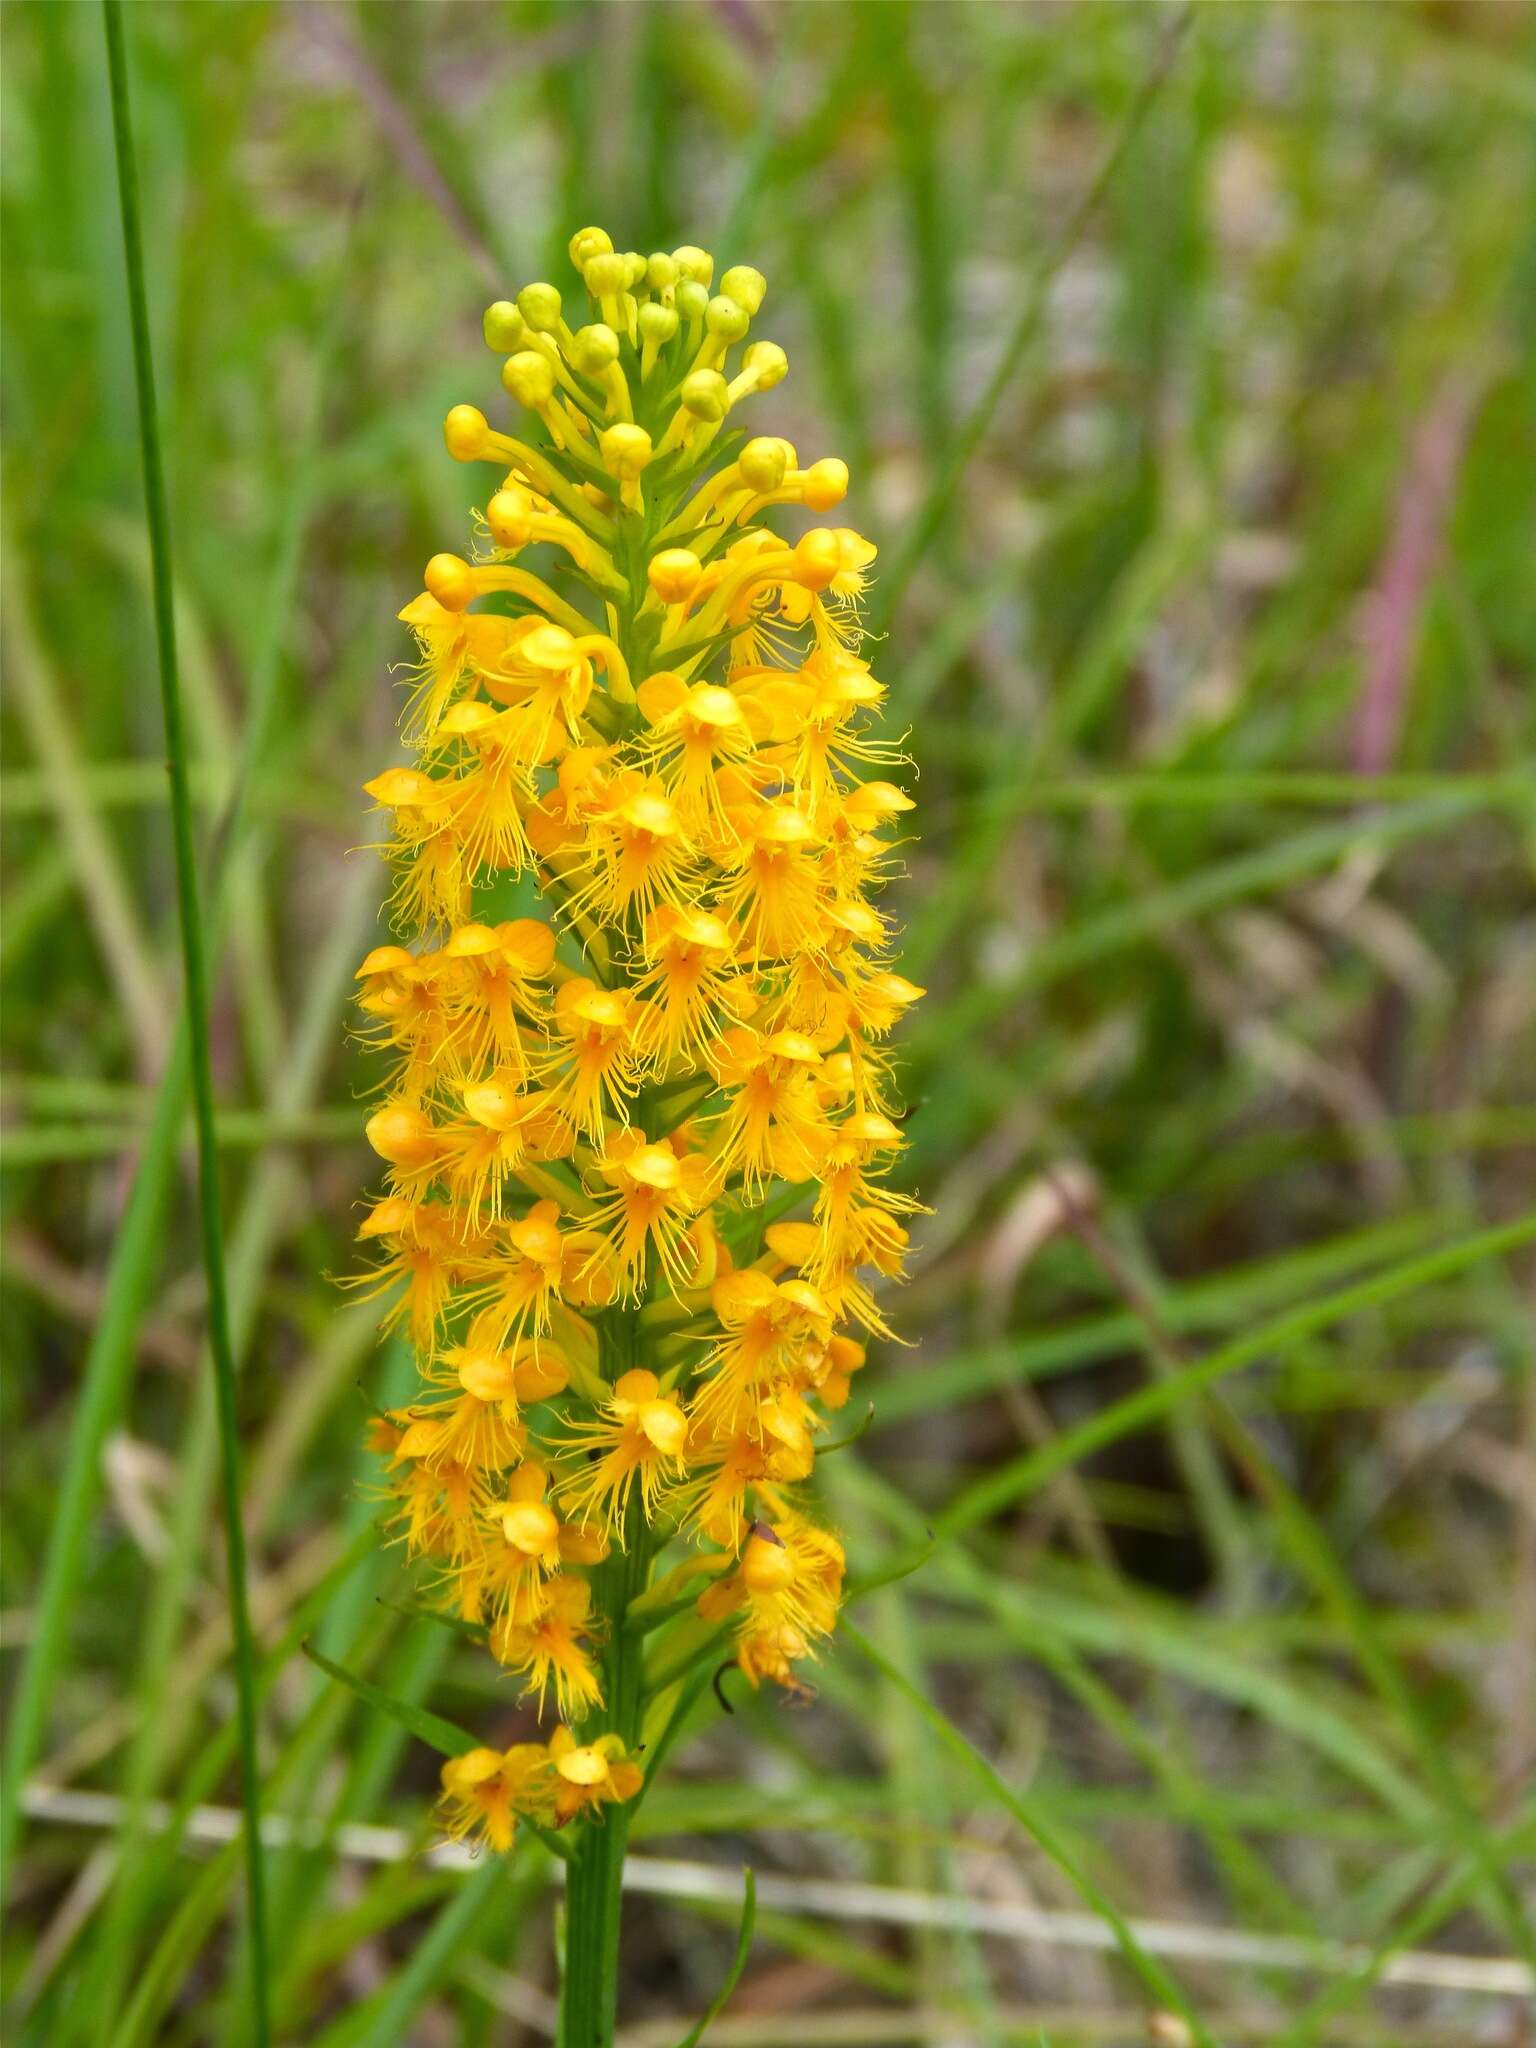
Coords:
pixel 638 1148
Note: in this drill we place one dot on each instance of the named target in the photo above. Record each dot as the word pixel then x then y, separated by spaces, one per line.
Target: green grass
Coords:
pixel 1145 330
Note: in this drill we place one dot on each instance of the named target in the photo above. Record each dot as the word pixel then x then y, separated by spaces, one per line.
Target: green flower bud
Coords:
pixel 594 349
pixel 539 305
pixel 748 287
pixel 704 394
pixel 503 327
pixel 695 264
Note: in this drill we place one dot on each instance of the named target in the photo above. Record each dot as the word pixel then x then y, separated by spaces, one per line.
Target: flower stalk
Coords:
pixel 638 696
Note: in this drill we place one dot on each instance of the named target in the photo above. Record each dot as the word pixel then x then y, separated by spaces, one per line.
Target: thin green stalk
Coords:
pixel 589 1990
pixel 195 976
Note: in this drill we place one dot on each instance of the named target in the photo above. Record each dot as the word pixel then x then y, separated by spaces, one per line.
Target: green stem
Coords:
pixel 195 976
pixel 594 1879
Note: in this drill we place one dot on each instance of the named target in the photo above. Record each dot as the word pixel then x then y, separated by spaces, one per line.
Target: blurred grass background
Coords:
pixel 1215 624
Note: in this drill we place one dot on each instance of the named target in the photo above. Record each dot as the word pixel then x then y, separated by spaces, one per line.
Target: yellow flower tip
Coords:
pixel 764 462
pixel 748 287
pixel 529 378
pixel 691 298
pixel 626 450
pixel 587 243
pixel 530 1527
pixel 637 1385
pixel 818 558
pixel 594 350
pixel 726 320
pixel 462 1774
pixel 583 1765
pixel 465 431
pixel 674 574
pixel 503 327
pixel 451 581
pixel 605 273
pixel 697 266
pixel 766 1565
pixel 510 517
pixel 661 271
pixel 657 323
pixel 385 960
pixel 825 484
pixel 705 395
pixel 762 367
pixel 539 305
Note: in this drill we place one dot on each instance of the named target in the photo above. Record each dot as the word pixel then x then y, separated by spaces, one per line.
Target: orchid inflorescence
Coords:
pixel 597 1123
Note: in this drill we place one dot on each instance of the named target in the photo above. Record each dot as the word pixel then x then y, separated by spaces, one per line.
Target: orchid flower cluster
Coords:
pixel 638 1148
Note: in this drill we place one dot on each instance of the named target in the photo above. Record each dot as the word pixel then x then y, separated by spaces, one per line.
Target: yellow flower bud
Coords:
pixel 529 378
pixel 661 271
pixel 634 270
pixel 657 324
pixel 674 574
pixel 691 298
pixel 748 287
pixel 704 394
pixel 503 327
pixel 605 275
pixel 766 1566
pixel 818 557
pixel 763 462
pixel 594 349
pixel 726 320
pixel 766 364
pixel 530 1527
pixel 451 581
pixel 825 484
pixel 625 450
pixel 464 431
pixel 509 515
pixel 587 243
pixel 539 305
pixel 697 265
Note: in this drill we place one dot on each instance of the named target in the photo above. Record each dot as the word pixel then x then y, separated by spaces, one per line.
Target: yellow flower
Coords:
pixel 588 1112
pixel 592 1775
pixel 639 1437
pixel 486 1789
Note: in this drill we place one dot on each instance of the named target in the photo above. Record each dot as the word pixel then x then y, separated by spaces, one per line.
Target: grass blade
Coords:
pixel 194 969
pixel 432 1729
pixel 1147 1968
pixel 738 1963
pixel 1011 1482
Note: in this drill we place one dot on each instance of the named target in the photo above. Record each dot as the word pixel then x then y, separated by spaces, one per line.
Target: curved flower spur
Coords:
pixel 637 1151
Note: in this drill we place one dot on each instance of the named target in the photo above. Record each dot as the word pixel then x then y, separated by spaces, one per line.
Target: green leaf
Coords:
pixel 738 1962
pixel 443 1736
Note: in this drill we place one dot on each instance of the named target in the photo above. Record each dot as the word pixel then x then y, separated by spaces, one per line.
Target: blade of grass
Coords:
pixel 110 1357
pixel 999 1489
pixel 738 1963
pixel 930 514
pixel 195 980
pixel 1151 1973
